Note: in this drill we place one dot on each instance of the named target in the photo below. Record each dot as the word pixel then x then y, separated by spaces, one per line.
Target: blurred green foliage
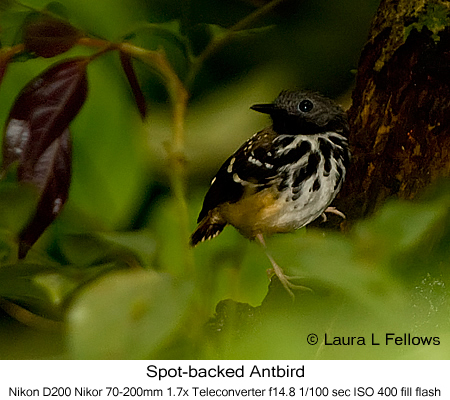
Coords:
pixel 112 268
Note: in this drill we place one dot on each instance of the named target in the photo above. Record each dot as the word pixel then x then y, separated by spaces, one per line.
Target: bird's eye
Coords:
pixel 305 106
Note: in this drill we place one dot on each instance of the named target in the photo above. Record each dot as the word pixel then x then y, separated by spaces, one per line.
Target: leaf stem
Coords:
pixel 9 52
pixel 179 97
pixel 6 55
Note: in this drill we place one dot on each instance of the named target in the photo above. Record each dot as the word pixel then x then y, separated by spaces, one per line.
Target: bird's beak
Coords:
pixel 264 108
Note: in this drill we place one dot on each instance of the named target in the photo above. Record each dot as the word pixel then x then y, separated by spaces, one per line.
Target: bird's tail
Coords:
pixel 206 230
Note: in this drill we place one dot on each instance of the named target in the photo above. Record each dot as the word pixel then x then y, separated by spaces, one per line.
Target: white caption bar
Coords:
pixel 224 379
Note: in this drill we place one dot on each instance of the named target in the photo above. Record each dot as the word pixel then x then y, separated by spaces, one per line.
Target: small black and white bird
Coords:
pixel 283 177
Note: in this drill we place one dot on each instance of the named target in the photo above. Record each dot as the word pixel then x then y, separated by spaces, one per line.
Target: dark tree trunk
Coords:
pixel 400 117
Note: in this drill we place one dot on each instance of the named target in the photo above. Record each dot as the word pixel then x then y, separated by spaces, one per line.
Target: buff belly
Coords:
pixel 269 211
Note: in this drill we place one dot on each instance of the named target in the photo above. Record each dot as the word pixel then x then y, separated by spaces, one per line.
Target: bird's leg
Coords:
pixel 333 210
pixel 284 279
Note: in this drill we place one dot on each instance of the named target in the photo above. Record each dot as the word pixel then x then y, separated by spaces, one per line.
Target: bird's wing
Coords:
pixel 251 165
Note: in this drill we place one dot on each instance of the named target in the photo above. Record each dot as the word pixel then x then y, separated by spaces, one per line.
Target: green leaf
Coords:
pixel 16 205
pixel 126 315
pixel 398 227
pixel 165 36
pixel 84 249
pixel 11 22
pixel 58 9
pixel 57 287
pixel 17 283
pixel 6 4
pixel 89 249
pixel 169 31
pixel 140 243
pixel 331 264
pixel 45 288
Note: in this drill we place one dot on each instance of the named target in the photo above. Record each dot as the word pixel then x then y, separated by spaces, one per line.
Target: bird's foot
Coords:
pixel 333 210
pixel 277 270
pixel 285 279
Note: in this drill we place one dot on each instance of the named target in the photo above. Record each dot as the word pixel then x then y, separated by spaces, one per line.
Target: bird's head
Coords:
pixel 295 112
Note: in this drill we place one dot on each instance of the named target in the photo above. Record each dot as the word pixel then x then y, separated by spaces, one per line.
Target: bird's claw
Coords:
pixel 286 281
pixel 332 210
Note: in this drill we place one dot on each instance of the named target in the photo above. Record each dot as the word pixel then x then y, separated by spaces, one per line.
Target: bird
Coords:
pixel 284 176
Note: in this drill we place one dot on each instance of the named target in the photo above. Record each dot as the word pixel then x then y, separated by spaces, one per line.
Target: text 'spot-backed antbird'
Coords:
pixel 284 176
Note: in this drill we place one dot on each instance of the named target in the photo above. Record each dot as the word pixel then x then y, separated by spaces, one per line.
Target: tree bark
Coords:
pixel 400 116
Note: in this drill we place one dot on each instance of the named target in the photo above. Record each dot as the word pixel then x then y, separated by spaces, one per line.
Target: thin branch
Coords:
pixel 9 52
pixel 179 97
pixel 218 42
pixel 250 19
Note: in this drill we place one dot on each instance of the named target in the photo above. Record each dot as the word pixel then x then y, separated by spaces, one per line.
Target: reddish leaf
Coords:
pixel 48 36
pixel 139 98
pixel 43 111
pixel 37 137
pixel 51 175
